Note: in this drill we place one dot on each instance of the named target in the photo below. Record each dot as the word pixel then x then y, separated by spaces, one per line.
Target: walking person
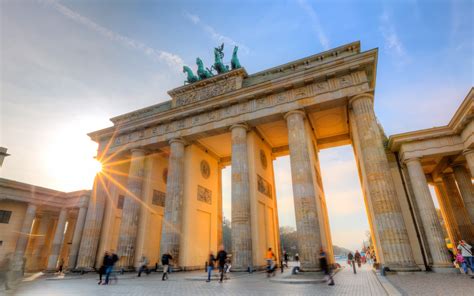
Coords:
pixel 221 260
pixel 165 261
pixel 102 268
pixel 467 254
pixel 285 258
pixel 210 266
pixel 357 258
pixel 61 265
pixel 110 260
pixel 350 260
pixel 143 266
pixel 323 262
pixel 270 262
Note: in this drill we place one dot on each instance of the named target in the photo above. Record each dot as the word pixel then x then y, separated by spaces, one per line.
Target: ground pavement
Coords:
pixel 347 283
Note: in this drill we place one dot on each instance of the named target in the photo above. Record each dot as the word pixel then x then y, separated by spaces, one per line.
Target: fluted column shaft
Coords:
pixel 391 229
pixel 463 179
pixel 172 222
pixel 23 238
pixel 131 210
pixel 91 233
pixel 469 154
pixel 304 195
pixel 429 217
pixel 57 240
pixel 459 211
pixel 241 219
pixel 39 250
pixel 447 212
pixel 76 239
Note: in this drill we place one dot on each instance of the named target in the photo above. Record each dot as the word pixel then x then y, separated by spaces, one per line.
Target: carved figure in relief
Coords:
pixel 234 62
pixel 218 56
pixel 202 73
pixel 191 77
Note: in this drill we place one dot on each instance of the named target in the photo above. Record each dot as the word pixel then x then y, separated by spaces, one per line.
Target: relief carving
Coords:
pixel 264 187
pixel 204 195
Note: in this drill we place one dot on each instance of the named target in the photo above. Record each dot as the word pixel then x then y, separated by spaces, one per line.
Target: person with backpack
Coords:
pixel 323 263
pixel 165 261
pixel 467 253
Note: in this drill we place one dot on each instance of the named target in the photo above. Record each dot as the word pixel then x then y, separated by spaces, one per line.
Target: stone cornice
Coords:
pixel 321 73
pixel 463 115
pixel 22 192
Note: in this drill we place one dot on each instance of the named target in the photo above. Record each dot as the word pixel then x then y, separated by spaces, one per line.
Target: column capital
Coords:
pixel 138 150
pixel 467 151
pixel 458 164
pixel 301 112
pixel 177 140
pixel 241 125
pixel 411 159
pixel 361 96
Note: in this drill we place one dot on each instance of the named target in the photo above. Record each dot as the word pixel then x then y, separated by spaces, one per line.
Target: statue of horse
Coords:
pixel 218 56
pixel 202 73
pixel 234 62
pixel 191 77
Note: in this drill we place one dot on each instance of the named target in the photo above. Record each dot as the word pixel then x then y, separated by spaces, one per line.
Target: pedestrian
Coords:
pixel 467 254
pixel 350 258
pixel 143 266
pixel 210 266
pixel 270 262
pixel 297 257
pixel 357 257
pixel 323 263
pixel 110 261
pixel 285 257
pixel 61 265
pixel 363 257
pixel 461 262
pixel 221 259
pixel 102 267
pixel 165 261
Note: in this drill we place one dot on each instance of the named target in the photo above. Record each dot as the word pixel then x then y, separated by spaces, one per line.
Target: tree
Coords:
pixel 227 235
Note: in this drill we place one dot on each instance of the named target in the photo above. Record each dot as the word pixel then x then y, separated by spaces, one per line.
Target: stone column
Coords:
pixel 76 239
pixel 219 207
pixel 23 238
pixel 131 210
pixel 91 233
pixel 241 227
pixel 429 217
pixel 304 195
pixel 38 252
pixel 469 154
pixel 447 212
pixel 463 178
pixel 172 220
pixel 391 229
pixel 57 240
pixel 459 211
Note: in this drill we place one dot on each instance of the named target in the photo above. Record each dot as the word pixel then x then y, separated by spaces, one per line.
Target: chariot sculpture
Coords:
pixel 219 67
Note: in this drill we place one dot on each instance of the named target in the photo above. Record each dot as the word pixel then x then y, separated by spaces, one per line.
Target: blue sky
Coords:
pixel 68 66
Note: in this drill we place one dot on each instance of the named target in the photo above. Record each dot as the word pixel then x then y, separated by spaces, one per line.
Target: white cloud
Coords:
pixel 392 42
pixel 318 29
pixel 172 60
pixel 216 36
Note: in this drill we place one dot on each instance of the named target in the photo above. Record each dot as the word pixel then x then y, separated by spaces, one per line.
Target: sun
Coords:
pixel 96 166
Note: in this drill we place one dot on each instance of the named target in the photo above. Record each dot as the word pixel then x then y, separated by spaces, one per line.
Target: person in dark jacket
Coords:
pixel 221 259
pixel 165 261
pixel 357 258
pixel 210 266
pixel 323 262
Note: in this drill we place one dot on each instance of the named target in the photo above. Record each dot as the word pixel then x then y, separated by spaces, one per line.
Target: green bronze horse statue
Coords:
pixel 202 73
pixel 191 77
pixel 218 56
pixel 234 62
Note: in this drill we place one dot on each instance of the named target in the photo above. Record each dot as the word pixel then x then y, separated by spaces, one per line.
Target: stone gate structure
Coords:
pixel 160 188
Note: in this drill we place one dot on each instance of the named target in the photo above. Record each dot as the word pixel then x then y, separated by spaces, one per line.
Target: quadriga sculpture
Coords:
pixel 234 62
pixel 218 56
pixel 191 77
pixel 202 73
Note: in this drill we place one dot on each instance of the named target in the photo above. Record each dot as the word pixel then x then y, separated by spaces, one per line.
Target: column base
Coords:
pixel 444 269
pixel 398 268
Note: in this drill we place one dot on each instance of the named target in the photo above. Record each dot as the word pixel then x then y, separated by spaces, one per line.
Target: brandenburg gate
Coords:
pixel 160 188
